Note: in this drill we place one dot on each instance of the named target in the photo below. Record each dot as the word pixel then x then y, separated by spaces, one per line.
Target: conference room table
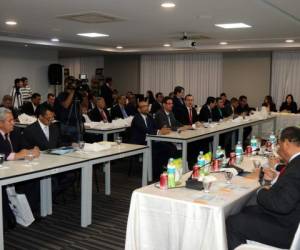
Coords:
pixel 12 172
pixel 184 219
pixel 214 130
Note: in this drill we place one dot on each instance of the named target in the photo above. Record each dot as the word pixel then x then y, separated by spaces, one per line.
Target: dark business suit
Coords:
pixel 276 217
pixel 27 108
pixel 34 136
pixel 155 107
pixel 96 116
pixel 161 120
pixel 161 151
pixel 205 114
pixel 106 93
pixel 217 114
pixel 184 117
pixel 178 107
pixel 117 113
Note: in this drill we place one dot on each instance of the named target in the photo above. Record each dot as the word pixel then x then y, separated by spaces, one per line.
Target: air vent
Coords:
pixel 91 17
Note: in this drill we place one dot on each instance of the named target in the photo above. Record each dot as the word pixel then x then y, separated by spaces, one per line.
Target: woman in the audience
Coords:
pixel 289 105
pixel 269 104
pixel 150 97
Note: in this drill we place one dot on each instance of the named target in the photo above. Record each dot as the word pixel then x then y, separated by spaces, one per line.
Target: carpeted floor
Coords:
pixel 62 230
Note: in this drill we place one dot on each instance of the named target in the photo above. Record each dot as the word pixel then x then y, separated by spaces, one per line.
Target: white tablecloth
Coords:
pixel 182 218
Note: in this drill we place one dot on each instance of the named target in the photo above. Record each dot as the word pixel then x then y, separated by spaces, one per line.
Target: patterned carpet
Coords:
pixel 62 230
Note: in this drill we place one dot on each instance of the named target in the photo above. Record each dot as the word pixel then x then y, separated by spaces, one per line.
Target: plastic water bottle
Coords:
pixel 219 152
pixel 201 161
pixel 272 139
pixel 171 174
pixel 253 144
pixel 239 153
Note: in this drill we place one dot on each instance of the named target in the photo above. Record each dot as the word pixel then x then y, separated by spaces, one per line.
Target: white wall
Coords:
pixel 247 73
pixel 18 61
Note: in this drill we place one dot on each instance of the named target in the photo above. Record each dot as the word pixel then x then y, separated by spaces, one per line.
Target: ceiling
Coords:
pixel 144 26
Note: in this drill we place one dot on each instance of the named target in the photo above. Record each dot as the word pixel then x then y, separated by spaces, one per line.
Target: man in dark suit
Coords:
pixel 164 118
pixel 50 100
pixel 119 110
pixel 178 101
pixel 143 124
pixel 131 107
pixel 218 112
pixel 206 110
pixel 243 106
pixel 275 218
pixel 188 115
pixel 30 108
pixel 157 104
pixel 107 92
pixel 226 102
pixel 7 102
pixel 12 146
pixel 43 133
pixel 100 113
pixel 231 110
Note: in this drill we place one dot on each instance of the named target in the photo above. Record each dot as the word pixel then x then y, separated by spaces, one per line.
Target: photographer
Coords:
pixel 16 94
pixel 67 110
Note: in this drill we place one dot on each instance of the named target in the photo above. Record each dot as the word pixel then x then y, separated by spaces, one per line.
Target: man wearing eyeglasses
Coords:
pixel 43 133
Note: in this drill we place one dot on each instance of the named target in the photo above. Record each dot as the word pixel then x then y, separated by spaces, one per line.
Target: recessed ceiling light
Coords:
pixel 289 41
pixel 26 45
pixel 223 43
pixel 93 34
pixel 54 40
pixel 11 22
pixel 233 25
pixel 167 45
pixel 168 5
pixel 119 47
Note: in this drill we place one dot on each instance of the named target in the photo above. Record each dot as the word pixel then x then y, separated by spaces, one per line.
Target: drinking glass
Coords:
pixel 2 157
pixel 256 163
pixel 228 176
pixel 119 140
pixel 209 120
pixel 206 185
pixel 29 158
pixel 81 145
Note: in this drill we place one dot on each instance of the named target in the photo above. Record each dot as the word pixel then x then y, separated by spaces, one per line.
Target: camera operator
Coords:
pixel 16 94
pixel 67 110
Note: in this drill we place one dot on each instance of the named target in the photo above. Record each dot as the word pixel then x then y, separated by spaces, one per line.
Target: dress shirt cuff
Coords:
pixel 158 132
pixel 11 157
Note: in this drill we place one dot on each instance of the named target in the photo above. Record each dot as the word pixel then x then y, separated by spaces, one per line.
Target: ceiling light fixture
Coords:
pixel 223 43
pixel 168 5
pixel 11 22
pixel 26 45
pixel 93 34
pixel 54 40
pixel 233 25
pixel 289 41
pixel 119 47
pixel 167 45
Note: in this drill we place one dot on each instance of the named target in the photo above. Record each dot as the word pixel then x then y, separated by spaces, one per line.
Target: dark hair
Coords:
pixel 292 134
pixel 269 99
pixel 188 95
pixel 150 96
pixel 242 97
pixel 108 79
pixel 290 96
pixel 50 95
pixel 35 95
pixel 158 94
pixel 166 99
pixel 23 79
pixel 210 100
pixel 233 99
pixel 17 80
pixel 42 109
pixel 218 99
pixel 178 89
pixel 223 94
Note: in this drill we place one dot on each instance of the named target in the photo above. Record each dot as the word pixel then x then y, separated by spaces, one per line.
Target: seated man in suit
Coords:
pixel 119 110
pixel 164 118
pixel 157 104
pixel 244 109
pixel 12 146
pixel 131 107
pixel 7 102
pixel 178 101
pixel 218 111
pixel 206 110
pixel 231 110
pixel 225 100
pixel 43 133
pixel 50 100
pixel 275 218
pixel 143 124
pixel 30 108
pixel 100 113
pixel 188 115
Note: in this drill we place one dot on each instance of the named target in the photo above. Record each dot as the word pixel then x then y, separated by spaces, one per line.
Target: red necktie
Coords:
pixel 282 170
pixel 191 116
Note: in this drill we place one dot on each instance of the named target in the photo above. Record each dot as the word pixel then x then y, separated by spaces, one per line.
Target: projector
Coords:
pixel 184 44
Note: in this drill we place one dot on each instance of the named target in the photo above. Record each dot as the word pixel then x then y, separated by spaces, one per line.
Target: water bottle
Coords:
pixel 171 174
pixel 272 139
pixel 219 152
pixel 253 144
pixel 239 153
pixel 201 161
